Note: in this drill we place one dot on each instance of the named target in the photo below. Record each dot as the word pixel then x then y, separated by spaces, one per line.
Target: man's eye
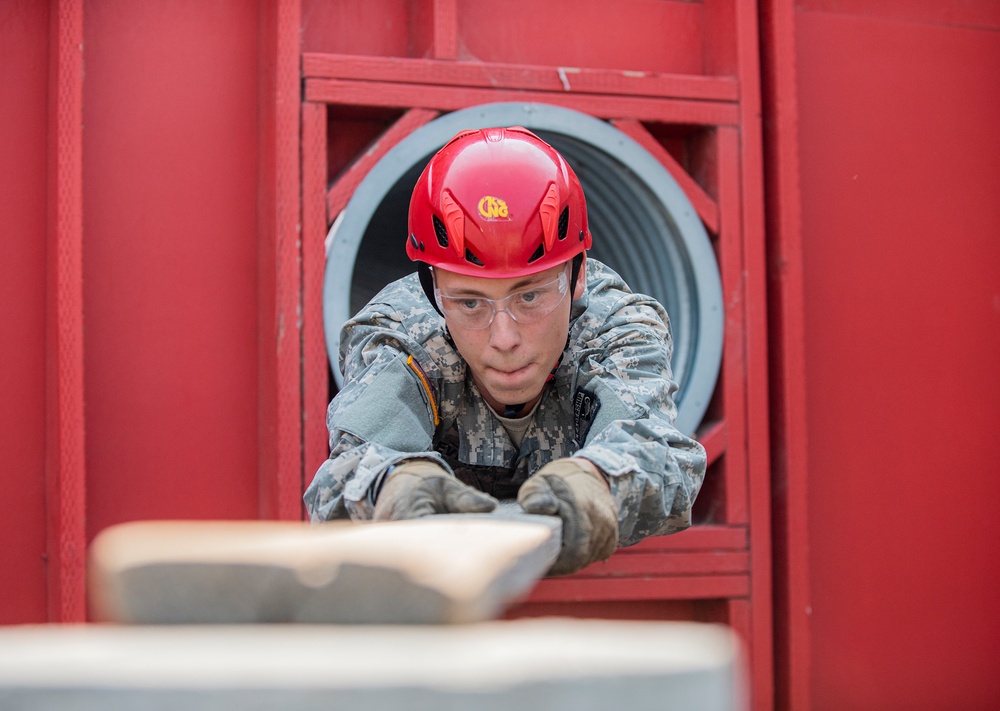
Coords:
pixel 527 297
pixel 470 304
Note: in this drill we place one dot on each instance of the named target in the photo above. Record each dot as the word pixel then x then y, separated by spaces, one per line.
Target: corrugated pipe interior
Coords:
pixel 644 228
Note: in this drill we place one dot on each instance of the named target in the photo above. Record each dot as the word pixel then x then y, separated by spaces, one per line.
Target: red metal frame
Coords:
pixel 786 326
pixel 315 367
pixel 493 75
pixel 724 563
pixel 279 414
pixel 400 94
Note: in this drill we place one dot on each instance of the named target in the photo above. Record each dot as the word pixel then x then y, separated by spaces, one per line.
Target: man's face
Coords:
pixel 509 360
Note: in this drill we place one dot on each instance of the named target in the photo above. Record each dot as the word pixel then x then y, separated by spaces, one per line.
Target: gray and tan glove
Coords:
pixel 421 487
pixel 576 492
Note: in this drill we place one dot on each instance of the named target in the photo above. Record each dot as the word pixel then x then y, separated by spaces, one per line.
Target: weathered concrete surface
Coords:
pixel 438 569
pixel 544 664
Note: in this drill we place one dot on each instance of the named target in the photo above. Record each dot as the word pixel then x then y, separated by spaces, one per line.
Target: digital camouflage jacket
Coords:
pixel 407 394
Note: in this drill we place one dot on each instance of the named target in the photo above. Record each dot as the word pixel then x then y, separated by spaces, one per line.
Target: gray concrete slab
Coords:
pixel 434 570
pixel 551 664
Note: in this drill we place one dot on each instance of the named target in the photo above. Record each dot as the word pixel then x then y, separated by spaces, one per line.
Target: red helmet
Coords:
pixel 497 202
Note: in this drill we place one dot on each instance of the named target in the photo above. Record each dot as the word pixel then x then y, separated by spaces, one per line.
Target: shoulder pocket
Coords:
pixel 391 411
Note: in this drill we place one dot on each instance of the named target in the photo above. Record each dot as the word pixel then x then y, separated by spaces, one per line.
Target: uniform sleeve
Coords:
pixel 381 416
pixel 655 471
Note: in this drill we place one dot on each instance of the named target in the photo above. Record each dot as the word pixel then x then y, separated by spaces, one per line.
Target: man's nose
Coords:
pixel 504 331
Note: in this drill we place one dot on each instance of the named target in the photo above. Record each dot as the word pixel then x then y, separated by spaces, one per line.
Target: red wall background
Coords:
pixel 898 110
pixel 169 287
pixel 145 217
pixel 149 193
pixel 23 188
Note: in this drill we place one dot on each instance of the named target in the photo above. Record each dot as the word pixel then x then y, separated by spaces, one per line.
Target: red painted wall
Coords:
pixel 169 163
pixel 899 112
pixel 24 52
pixel 170 260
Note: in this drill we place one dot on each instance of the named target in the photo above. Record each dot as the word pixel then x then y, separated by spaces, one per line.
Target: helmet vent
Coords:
pixel 564 223
pixel 441 231
pixel 539 253
pixel 470 257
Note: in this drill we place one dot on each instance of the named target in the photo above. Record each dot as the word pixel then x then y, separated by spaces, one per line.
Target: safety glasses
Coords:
pixel 525 306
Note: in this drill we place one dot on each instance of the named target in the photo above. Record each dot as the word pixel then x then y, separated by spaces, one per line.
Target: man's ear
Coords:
pixel 581 278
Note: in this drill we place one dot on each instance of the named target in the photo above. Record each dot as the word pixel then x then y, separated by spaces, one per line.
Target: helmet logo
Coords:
pixel 493 208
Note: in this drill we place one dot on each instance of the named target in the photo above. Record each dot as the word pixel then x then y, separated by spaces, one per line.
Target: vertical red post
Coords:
pixel 734 365
pixel 751 173
pixel 315 376
pixel 787 357
pixel 279 263
pixel 65 447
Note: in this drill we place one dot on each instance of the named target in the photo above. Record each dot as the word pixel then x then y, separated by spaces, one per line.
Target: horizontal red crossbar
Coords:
pixel 451 98
pixel 513 76
pixel 578 589
pixel 696 538
pixel 625 563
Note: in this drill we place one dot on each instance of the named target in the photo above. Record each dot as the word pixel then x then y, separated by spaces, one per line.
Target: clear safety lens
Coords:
pixel 526 306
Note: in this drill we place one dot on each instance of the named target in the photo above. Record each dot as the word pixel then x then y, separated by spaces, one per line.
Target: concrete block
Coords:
pixel 438 569
pixel 542 664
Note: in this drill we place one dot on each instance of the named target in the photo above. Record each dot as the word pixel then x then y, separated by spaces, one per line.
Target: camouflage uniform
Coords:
pixel 610 401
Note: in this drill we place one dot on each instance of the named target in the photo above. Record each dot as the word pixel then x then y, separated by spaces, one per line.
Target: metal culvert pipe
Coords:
pixel 644 228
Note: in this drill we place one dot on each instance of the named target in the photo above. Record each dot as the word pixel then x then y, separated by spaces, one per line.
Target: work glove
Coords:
pixel 576 492
pixel 421 487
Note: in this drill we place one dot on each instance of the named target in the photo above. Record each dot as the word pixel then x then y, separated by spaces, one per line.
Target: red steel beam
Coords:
pixel 315 371
pixel 696 538
pixel 699 587
pixel 749 145
pixel 670 564
pixel 280 474
pixel 66 465
pixel 287 190
pixel 451 98
pixel 786 330
pixel 491 75
pixel 732 381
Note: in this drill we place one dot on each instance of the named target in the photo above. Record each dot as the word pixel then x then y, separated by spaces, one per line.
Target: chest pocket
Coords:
pixel 499 482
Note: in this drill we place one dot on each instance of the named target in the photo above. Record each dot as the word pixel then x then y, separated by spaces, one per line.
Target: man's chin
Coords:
pixel 508 393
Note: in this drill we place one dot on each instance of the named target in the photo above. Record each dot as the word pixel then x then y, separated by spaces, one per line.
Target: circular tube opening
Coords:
pixel 644 228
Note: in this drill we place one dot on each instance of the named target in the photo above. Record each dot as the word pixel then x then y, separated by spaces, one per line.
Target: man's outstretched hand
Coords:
pixel 421 487
pixel 576 492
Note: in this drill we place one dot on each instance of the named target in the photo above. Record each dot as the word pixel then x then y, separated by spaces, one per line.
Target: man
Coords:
pixel 510 366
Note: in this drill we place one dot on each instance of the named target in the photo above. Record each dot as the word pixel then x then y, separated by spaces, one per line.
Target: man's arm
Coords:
pixel 654 471
pixel 384 414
